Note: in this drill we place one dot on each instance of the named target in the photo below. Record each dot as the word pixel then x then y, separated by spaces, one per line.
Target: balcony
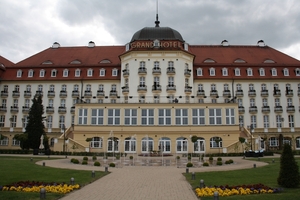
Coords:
pixel 276 93
pixel 252 93
pixel 4 93
pixel 49 109
pixel 125 72
pixel 214 93
pixel 156 88
pixel 278 109
pixel 253 109
pixel 289 93
pixel 72 110
pixel 170 70
pixel 201 93
pixel 290 109
pixel 265 109
pixel 187 72
pixel 188 89
pixel 51 94
pixel 14 109
pixel 226 93
pixel 27 93
pixel 142 88
pixel 113 93
pixel 25 109
pixel 100 93
pixel 171 88
pixel 63 94
pixel 264 93
pixel 156 71
pixel 75 93
pixel 298 92
pixel 142 71
pixel 88 93
pixel 125 90
pixel 239 93
pixel 16 94
pixel 62 109
pixel 3 109
pixel 241 109
pixel 39 93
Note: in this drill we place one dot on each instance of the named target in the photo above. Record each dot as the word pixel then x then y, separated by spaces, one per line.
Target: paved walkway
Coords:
pixel 142 182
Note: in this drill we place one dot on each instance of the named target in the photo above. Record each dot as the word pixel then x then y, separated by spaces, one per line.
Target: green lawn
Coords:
pixel 14 169
pixel 266 175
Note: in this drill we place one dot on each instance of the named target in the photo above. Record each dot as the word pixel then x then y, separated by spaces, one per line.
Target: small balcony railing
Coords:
pixel 264 93
pixel 265 109
pixel 75 93
pixel 226 93
pixel 4 93
pixel 63 93
pixel 252 109
pixel 27 93
pixel 25 109
pixel 39 93
pixel 187 72
pixel 252 93
pixel 62 109
pixel 125 89
pixel 88 93
pixel 125 72
pixel 278 109
pixel 239 93
pixel 113 93
pixel 171 88
pixel 16 94
pixel 156 88
pixel 3 108
pixel 100 93
pixel 201 93
pixel 289 93
pixel 276 93
pixel 290 109
pixel 72 110
pixel 51 94
pixel 156 71
pixel 142 88
pixel 142 71
pixel 170 70
pixel 241 109
pixel 14 109
pixel 214 93
pixel 188 89
pixel 49 109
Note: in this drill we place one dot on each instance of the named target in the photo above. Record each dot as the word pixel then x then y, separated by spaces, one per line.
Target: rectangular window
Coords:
pixel 113 116
pixel 82 117
pixel 215 116
pixel 266 121
pixel 181 116
pixel 97 117
pixel 2 120
pixel 130 117
pixel 198 116
pixel 291 121
pixel 230 119
pixel 164 116
pixel 147 116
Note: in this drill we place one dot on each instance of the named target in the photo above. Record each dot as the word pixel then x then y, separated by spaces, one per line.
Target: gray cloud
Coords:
pixel 31 26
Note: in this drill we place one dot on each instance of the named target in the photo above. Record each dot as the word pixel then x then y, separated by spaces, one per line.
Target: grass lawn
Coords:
pixel 266 175
pixel 14 169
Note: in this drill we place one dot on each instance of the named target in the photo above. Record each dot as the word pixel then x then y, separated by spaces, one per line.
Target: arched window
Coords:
pixel 130 145
pixel 199 72
pixel 182 145
pixel 96 142
pixel 199 146
pixel 4 141
pixel 113 144
pixel 216 142
pixel 298 143
pixel 147 144
pixel 164 145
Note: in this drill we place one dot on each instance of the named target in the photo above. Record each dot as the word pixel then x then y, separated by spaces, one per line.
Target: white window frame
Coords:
pixel 53 73
pixel 96 143
pixel 130 145
pixel 230 116
pixel 212 71
pixel 291 121
pixel 19 73
pixel 181 116
pixel 89 72
pixel 130 116
pixel 237 72
pixel 77 72
pixel 114 72
pixel 198 116
pixel 249 72
pixel 42 73
pixel 266 121
pixel 261 71
pixel 147 117
pixel 274 72
pixel 286 72
pixel 225 72
pixel 199 72
pixel 182 145
pixel 113 116
pixel 164 117
pixel 215 116
pixel 82 116
pixel 65 73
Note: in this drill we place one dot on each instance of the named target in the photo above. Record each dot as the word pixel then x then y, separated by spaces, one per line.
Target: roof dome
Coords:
pixel 159 33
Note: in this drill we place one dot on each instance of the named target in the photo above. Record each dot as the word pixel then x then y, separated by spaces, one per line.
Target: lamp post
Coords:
pixel 64 144
pixel 251 128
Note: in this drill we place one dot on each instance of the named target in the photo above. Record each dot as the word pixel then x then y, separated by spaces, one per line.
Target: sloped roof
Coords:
pixel 5 62
pixel 160 33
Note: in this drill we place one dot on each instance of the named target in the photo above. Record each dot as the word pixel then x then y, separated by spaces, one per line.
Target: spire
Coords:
pixel 157 22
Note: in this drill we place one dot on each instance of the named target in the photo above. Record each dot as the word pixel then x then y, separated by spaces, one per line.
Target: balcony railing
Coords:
pixel 277 93
pixel 252 93
pixel 156 88
pixel 290 108
pixel 201 93
pixel 241 109
pixel 125 89
pixel 265 109
pixel 289 93
pixel 3 108
pixel 4 93
pixel 63 93
pixel 187 72
pixel 39 93
pixel 142 88
pixel 88 93
pixel 278 109
pixel 214 93
pixel 156 71
pixel 264 93
pixel 62 109
pixel 16 94
pixel 72 110
pixel 125 72
pixel 25 109
pixel 226 93
pixel 75 93
pixel 49 109
pixel 142 71
pixel 14 109
pixel 100 93
pixel 113 93
pixel 171 88
pixel 51 94
pixel 188 89
pixel 252 109
pixel 239 93
pixel 171 70
pixel 27 93
pixel 298 92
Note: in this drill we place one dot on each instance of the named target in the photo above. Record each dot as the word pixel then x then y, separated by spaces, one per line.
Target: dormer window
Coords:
pixel 212 72
pixel 30 73
pixel 262 72
pixel 156 43
pixel 102 72
pixel 269 61
pixel 286 72
pixel 90 72
pixel 53 72
pixel 115 72
pixel 19 73
pixel 249 72
pixel 105 61
pixel 42 73
pixel 77 72
pixel 274 72
pixel 224 72
pixel 47 62
pixel 209 61
pixel 199 72
pixel 239 61
pixel 65 73
pixel 297 72
pixel 75 62
pixel 237 72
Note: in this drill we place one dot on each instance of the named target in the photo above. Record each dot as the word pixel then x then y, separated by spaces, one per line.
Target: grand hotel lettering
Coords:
pixel 156 44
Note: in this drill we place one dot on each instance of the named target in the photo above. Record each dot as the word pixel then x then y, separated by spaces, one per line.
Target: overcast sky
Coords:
pixel 30 26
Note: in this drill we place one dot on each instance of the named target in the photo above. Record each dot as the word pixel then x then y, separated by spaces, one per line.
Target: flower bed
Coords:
pixel 235 190
pixel 33 186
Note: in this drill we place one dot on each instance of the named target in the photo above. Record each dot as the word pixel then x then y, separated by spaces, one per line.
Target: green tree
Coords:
pixel 289 171
pixel 35 127
pixel 23 138
pixel 242 141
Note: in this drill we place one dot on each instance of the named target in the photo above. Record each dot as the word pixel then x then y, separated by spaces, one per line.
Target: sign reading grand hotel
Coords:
pixel 156 43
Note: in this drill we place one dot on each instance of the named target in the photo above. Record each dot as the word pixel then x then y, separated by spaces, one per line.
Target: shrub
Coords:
pixel 72 160
pixel 189 157
pixel 231 161
pixel 189 164
pixel 112 164
pixel 84 162
pixel 205 164
pixel 85 158
pixel 130 157
pixel 289 171
pixel 117 157
pixel 75 161
pixel 211 158
pixel 219 163
pixel 227 162
pixel 219 159
pixel 97 163
pixel 178 157
pixel 94 158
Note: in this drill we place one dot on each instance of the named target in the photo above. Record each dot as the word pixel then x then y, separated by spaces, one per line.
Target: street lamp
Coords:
pixel 251 128
pixel 64 145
